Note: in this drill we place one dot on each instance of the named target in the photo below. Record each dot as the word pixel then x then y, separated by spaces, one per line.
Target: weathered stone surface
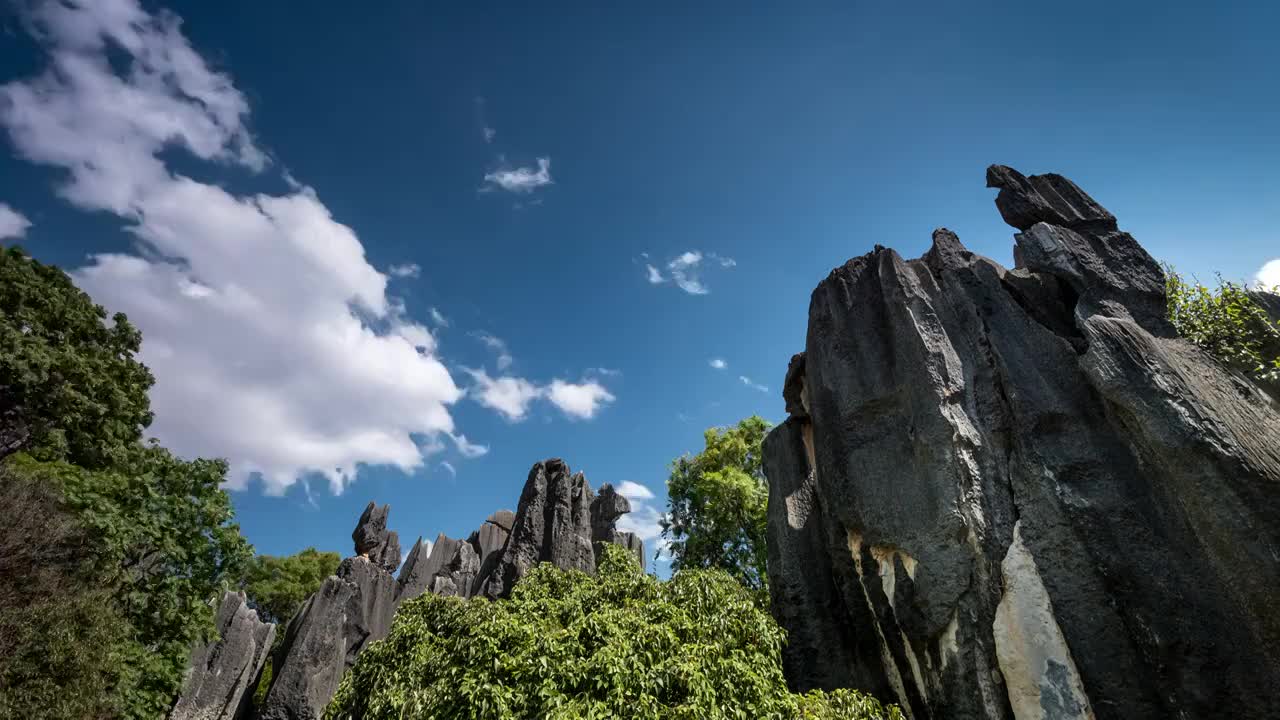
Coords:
pixel 552 524
pixel 374 541
pixel 607 507
pixel 493 533
pixel 1029 497
pixel 793 387
pixel 224 672
pixel 413 578
pixel 352 609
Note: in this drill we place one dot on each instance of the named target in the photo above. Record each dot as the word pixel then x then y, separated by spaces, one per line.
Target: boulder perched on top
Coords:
pixel 1016 493
pixel 374 541
pixel 225 671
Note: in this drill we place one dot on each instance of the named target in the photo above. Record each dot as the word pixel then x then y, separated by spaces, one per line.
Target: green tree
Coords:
pixel 1228 323
pixel 716 505
pixel 70 387
pixel 278 586
pixel 568 645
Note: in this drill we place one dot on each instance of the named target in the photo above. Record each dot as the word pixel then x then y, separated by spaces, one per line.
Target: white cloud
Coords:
pixel 489 134
pixel 753 385
pixel 510 396
pixel 685 271
pixel 634 491
pixel 273 340
pixel 1269 274
pixel 609 372
pixel 468 449
pixel 13 224
pixel 497 345
pixel 521 179
pixel 407 270
pixel 438 318
pixel 579 400
pixel 446 465
pixel 718 363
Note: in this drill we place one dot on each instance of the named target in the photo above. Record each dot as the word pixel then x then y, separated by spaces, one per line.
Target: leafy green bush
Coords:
pixel 569 645
pixel 278 586
pixel 1227 323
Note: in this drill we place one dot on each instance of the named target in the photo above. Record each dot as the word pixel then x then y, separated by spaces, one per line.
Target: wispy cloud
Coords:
pixel 685 271
pixel 753 385
pixel 718 363
pixel 438 318
pixel 13 224
pixel 498 346
pixel 634 491
pixel 513 396
pixel 488 133
pixel 468 449
pixel 447 466
pixel 1269 274
pixel 407 270
pixel 521 179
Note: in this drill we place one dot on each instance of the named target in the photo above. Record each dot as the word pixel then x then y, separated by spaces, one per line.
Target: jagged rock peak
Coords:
pixel 224 672
pixel 374 541
pixel 1015 493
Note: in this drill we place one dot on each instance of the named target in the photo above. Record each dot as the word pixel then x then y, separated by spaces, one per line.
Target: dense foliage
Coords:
pixel 716 504
pixel 70 387
pixel 278 586
pixel 568 645
pixel 116 551
pixel 1228 323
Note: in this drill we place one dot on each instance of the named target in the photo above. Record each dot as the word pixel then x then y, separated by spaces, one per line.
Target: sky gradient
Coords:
pixel 403 252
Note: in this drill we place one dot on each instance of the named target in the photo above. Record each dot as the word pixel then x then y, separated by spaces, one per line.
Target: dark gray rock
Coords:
pixel 374 541
pixel 493 533
pixel 607 507
pixel 450 569
pixel 552 524
pixel 350 610
pixel 225 672
pixel 793 387
pixel 1032 499
pixel 413 578
pixel 457 574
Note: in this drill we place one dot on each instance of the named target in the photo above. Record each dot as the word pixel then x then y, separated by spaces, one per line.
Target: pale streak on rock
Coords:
pixel 1036 663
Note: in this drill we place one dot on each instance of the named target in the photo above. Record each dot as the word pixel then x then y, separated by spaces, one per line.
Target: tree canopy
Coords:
pixel 139 543
pixel 70 387
pixel 568 645
pixel 717 502
pixel 278 586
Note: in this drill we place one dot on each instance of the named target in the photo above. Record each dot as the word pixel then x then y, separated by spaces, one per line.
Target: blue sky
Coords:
pixel 289 203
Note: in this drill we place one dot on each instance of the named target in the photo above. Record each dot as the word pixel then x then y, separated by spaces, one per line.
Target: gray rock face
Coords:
pixel 1016 493
pixel 450 569
pixel 552 524
pixel 224 673
pixel 493 533
pixel 374 541
pixel 607 507
pixel 350 610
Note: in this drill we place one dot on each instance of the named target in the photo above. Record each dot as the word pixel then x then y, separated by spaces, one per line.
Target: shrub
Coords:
pixel 568 645
pixel 1228 323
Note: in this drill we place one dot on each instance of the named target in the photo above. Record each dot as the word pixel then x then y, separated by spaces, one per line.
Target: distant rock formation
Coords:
pixel 556 521
pixel 352 609
pixel 224 672
pixel 1014 494
pixel 607 507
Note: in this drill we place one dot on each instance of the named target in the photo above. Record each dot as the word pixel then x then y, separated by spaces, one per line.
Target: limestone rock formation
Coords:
pixel 552 524
pixel 449 569
pixel 606 508
pixel 350 610
pixel 1015 493
pixel 374 541
pixel 224 672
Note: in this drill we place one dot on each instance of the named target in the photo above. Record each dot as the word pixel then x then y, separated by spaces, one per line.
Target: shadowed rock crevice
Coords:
pixel 944 402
